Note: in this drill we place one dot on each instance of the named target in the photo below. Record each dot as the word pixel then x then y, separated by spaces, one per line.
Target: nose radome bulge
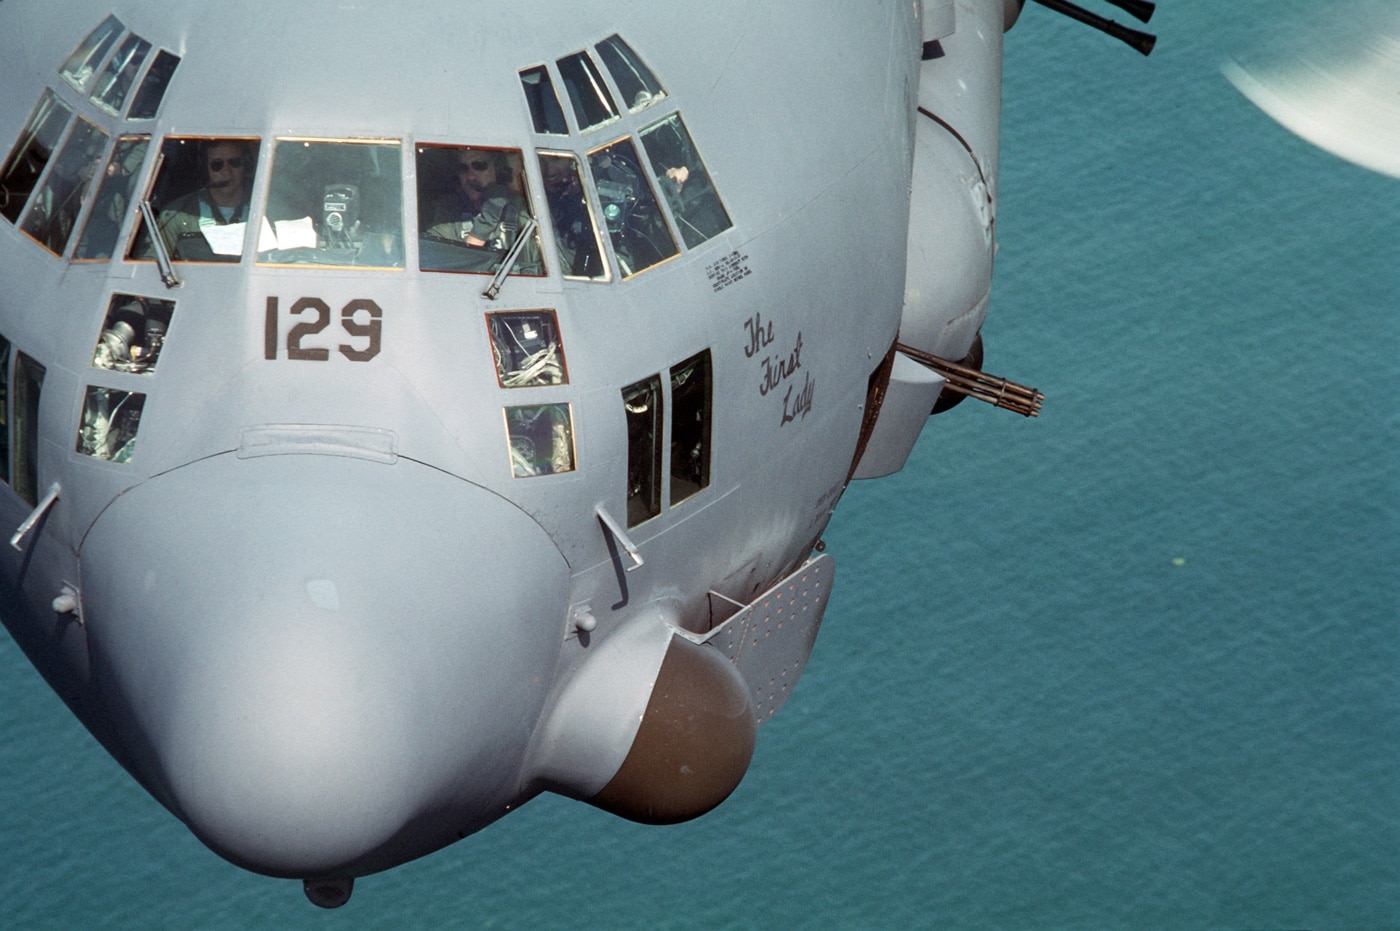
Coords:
pixel 323 664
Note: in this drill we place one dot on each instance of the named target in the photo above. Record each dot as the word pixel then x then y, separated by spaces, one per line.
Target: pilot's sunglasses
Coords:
pixel 481 165
pixel 217 164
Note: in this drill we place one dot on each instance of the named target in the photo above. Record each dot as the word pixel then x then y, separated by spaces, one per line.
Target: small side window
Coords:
pixel 684 182
pixel 132 334
pixel 152 91
pixel 575 232
pixel 690 427
pixel 114 199
pixel 633 78
pixel 31 153
pixel 82 64
pixel 472 205
pixel 110 421
pixel 545 111
pixel 541 439
pixel 639 234
pixel 642 403
pixel 334 203
pixel 593 103
pixel 111 89
pixel 54 209
pixel 527 348
pixel 29 379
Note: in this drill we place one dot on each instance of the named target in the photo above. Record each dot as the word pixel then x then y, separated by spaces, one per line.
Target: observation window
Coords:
pixel 592 101
pixel 686 185
pixel 642 403
pixel 82 64
pixel 575 233
pixel 472 205
pixel 152 91
pixel 110 421
pixel 31 153
pixel 4 410
pixel 545 111
pixel 541 439
pixel 690 426
pixel 200 198
pixel 334 203
pixel 527 348
pixel 634 80
pixel 639 234
pixel 114 199
pixel 111 89
pixel 53 211
pixel 132 334
pixel 29 380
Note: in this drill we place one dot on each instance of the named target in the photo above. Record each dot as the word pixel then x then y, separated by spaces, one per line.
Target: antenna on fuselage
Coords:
pixel 1142 41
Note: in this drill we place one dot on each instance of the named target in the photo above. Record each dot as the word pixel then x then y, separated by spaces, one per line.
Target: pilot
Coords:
pixel 483 210
pixel 221 202
pixel 573 228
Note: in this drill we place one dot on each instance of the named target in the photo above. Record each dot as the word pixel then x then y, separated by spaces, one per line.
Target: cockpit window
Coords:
pixel 541 439
pixel 132 334
pixel 472 205
pixel 152 92
pixel 545 111
pixel 575 233
pixel 639 234
pixel 200 197
pixel 82 64
pixel 683 180
pixel 633 78
pixel 54 209
pixel 593 103
pixel 31 153
pixel 334 203
pixel 113 204
pixel 111 89
pixel 110 420
pixel 527 348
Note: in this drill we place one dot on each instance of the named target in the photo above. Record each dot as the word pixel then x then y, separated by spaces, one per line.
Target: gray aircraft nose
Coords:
pixel 323 665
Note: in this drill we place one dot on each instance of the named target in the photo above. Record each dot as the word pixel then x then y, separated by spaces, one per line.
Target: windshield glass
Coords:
pixel 472 205
pixel 575 236
pixel 55 207
pixel 82 64
pixel 336 203
pixel 111 89
pixel 200 196
pixel 31 153
pixel 681 175
pixel 639 235
pixel 113 204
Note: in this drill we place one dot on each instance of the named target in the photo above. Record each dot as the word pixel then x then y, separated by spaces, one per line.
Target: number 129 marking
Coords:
pixel 360 319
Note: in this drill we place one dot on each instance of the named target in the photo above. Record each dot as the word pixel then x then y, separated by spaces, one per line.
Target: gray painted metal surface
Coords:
pixel 769 640
pixel 323 574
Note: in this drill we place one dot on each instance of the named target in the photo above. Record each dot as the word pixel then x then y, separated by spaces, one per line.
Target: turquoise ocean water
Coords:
pixel 1134 664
